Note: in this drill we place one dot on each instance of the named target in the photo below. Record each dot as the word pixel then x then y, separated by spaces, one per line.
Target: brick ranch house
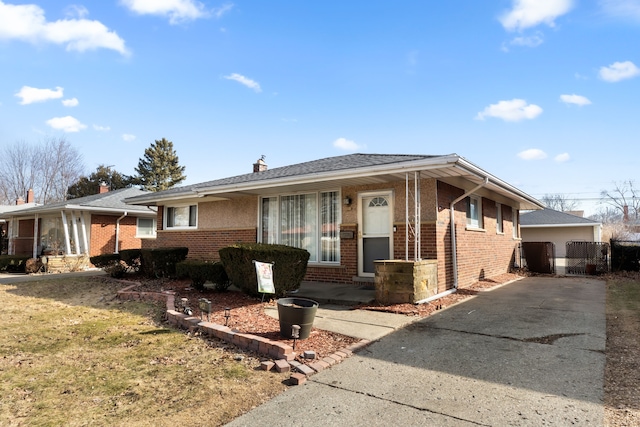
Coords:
pixel 348 211
pixel 98 224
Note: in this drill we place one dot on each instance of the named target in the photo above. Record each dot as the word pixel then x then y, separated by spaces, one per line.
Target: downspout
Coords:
pixel 454 252
pixel 118 230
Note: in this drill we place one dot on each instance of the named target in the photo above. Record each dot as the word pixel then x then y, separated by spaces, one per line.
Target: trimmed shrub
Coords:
pixel 132 258
pixel 105 260
pixel 13 263
pixel 201 271
pixel 219 277
pixel 110 263
pixel 290 266
pixel 161 262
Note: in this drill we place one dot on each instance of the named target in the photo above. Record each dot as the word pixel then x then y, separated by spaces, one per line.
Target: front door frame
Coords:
pixel 388 194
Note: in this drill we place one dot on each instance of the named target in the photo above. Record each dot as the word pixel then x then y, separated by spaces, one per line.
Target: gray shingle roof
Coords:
pixel 553 217
pixel 112 200
pixel 329 164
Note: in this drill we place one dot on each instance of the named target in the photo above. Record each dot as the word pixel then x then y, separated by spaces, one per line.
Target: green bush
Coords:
pixel 110 263
pixel 105 260
pixel 201 271
pixel 290 266
pixel 161 262
pixel 132 258
pixel 13 263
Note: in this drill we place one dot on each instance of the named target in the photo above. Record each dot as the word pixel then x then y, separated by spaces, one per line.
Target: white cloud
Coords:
pixel 251 84
pixel 532 154
pixel 625 9
pixel 531 41
pixel 67 124
pixel 346 144
pixel 28 23
pixel 561 158
pixel 29 94
pixel 72 102
pixel 619 71
pixel 222 10
pixel 530 13
pixel 101 128
pixel 76 11
pixel 128 137
pixel 511 111
pixel 575 99
pixel 178 11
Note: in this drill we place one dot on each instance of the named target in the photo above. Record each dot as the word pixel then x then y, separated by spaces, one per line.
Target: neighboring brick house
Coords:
pixel 348 211
pixel 98 224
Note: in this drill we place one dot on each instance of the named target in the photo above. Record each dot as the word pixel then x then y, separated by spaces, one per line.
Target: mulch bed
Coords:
pixel 247 314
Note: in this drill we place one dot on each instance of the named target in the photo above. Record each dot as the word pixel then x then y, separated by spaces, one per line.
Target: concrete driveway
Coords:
pixel 528 354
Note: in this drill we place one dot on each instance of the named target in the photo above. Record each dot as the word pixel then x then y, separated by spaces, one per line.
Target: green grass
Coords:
pixel 74 355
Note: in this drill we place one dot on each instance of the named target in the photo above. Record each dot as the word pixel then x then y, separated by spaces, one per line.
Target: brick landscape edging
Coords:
pixel 263 346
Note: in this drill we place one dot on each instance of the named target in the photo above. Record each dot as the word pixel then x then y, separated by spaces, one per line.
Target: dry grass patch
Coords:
pixel 622 372
pixel 72 354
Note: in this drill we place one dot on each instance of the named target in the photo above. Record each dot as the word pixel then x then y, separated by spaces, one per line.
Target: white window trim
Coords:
pixel 318 262
pixel 499 219
pixel 146 236
pixel 515 220
pixel 180 227
pixel 480 224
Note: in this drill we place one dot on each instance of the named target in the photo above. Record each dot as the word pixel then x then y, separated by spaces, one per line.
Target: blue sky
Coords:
pixel 541 93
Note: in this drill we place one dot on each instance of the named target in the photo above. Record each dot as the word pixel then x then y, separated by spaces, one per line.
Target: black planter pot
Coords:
pixel 296 311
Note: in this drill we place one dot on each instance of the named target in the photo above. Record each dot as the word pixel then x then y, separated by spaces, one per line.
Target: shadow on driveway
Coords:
pixel 529 353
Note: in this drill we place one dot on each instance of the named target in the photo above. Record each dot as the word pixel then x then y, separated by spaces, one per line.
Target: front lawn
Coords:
pixel 73 354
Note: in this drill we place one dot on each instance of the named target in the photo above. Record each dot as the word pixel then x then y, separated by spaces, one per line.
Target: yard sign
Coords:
pixel 264 271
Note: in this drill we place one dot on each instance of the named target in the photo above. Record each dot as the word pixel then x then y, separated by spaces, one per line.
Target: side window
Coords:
pixel 499 224
pixel 474 212
pixel 146 227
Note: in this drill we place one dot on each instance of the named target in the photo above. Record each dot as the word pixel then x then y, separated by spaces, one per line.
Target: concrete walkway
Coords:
pixel 528 354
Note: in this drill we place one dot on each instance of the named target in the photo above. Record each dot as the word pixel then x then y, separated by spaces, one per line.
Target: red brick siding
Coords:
pixel 202 244
pixel 103 234
pixel 348 267
pixel 481 254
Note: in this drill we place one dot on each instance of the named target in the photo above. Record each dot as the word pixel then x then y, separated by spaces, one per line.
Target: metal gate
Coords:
pixel 587 257
pixel 540 257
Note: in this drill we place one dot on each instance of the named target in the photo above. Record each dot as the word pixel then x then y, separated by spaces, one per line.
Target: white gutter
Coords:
pixel 454 252
pixel 118 230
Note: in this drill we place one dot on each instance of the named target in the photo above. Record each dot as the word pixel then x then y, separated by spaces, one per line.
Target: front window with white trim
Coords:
pixel 309 221
pixel 146 228
pixel 474 212
pixel 181 216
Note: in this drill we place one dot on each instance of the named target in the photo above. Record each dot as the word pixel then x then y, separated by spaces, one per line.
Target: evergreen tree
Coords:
pixel 159 169
pixel 87 186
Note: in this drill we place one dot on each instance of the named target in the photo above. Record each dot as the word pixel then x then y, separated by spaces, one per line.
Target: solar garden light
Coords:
pixel 185 307
pixel 295 334
pixel 227 314
pixel 205 307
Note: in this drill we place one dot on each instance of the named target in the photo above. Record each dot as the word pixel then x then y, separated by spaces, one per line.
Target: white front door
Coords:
pixel 376 230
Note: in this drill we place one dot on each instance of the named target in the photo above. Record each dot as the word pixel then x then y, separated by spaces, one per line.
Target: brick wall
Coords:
pixel 103 234
pixel 481 253
pixel 348 267
pixel 202 244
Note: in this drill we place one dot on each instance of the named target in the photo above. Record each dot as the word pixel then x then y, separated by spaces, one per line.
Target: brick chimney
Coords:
pixel 30 196
pixel 19 201
pixel 260 165
pixel 103 188
pixel 625 213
